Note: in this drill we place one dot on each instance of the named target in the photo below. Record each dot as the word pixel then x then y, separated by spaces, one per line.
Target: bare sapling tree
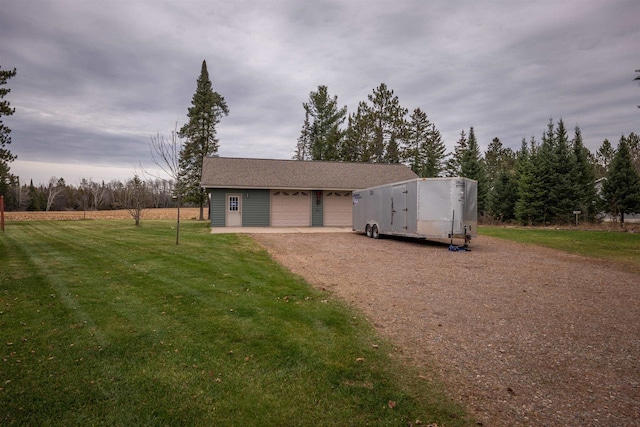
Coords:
pixel 165 153
pixel 134 198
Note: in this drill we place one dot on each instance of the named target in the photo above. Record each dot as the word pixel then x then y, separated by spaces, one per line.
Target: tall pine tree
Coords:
pixel 378 127
pixel 562 190
pixel 472 166
pixel 208 107
pixel 6 178
pixel 455 158
pixel 423 148
pixel 583 176
pixel 621 189
pixel 325 135
pixel 604 157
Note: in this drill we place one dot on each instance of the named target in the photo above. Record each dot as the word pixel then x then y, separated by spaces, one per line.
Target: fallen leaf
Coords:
pixel 392 404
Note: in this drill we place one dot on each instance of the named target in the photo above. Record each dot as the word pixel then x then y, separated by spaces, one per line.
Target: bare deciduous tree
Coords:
pixel 165 153
pixel 54 188
pixel 134 198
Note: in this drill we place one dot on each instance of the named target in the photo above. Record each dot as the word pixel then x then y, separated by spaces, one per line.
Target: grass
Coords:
pixel 102 323
pixel 611 246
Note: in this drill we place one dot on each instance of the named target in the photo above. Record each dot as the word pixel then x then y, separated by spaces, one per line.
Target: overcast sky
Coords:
pixel 97 78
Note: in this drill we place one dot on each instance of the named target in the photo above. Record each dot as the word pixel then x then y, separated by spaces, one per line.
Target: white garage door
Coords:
pixel 290 208
pixel 337 208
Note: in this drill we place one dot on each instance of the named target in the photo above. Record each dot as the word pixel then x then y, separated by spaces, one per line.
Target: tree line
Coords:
pixel 543 182
pixel 57 195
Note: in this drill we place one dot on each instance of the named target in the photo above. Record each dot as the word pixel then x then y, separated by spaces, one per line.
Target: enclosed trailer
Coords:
pixel 425 208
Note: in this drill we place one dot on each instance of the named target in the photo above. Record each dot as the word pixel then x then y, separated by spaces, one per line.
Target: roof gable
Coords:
pixel 228 172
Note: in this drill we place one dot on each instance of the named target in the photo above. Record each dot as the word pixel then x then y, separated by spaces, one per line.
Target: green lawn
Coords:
pixel 102 323
pixel 613 246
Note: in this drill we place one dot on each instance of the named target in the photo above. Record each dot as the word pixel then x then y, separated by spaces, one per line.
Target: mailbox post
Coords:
pixel 577 213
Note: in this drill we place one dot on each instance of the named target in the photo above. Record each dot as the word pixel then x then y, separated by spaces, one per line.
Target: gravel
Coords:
pixel 521 335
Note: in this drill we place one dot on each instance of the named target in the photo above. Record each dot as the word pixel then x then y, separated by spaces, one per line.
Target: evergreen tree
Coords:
pixel 562 190
pixel 359 145
pixel 208 107
pixel 455 158
pixel 633 141
pixel 583 176
pixel 621 189
pixel 417 129
pixel 500 166
pixel 435 154
pixel 379 126
pixel 6 178
pixel 423 148
pixel 325 135
pixel 303 147
pixel 604 156
pixel 472 166
pixel 529 209
pixel 503 196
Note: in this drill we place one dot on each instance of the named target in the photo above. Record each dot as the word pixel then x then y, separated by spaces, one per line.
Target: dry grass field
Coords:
pixel 169 213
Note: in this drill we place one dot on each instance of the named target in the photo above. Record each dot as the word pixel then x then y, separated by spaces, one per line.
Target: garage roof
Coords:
pixel 228 172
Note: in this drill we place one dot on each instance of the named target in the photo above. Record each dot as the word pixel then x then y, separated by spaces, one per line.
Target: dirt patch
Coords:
pixel 169 213
pixel 521 335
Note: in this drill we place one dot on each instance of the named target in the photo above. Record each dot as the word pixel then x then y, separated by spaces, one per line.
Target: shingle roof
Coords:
pixel 227 172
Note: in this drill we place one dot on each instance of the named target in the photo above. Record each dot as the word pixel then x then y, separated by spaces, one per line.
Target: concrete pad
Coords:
pixel 279 230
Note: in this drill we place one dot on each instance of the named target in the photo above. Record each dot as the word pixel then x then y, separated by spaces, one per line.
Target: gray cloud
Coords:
pixel 96 80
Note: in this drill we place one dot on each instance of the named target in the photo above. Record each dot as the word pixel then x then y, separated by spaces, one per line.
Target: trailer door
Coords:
pixel 399 209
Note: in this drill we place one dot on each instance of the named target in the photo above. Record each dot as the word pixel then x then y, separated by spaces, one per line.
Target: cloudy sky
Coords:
pixel 96 79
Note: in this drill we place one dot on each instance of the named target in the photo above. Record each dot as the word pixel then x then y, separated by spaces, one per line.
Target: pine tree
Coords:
pixel 435 154
pixel 423 148
pixel 633 141
pixel 6 178
pixel 500 166
pixel 455 158
pixel 562 190
pixel 303 147
pixel 504 195
pixel 621 189
pixel 530 205
pixel 207 109
pixel 472 166
pixel 414 149
pixel 604 156
pixel 325 135
pixel 379 125
pixel 583 176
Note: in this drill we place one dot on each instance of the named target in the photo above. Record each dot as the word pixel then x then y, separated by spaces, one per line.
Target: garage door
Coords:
pixel 290 208
pixel 337 208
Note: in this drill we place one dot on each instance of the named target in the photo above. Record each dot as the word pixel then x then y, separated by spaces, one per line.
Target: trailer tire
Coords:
pixel 367 230
pixel 374 231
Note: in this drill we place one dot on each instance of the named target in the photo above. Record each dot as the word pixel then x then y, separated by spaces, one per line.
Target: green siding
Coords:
pixel 317 209
pixel 218 207
pixel 256 208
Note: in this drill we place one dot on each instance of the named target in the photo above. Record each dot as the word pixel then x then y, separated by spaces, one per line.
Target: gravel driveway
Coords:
pixel 521 335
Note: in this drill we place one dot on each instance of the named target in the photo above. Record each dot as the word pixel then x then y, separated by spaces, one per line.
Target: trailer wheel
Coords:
pixel 367 230
pixel 374 232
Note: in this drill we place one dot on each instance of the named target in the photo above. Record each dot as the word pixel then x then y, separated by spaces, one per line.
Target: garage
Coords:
pixel 337 208
pixel 290 208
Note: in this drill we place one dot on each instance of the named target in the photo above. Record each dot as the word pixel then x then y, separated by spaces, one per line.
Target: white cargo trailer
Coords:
pixel 425 208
